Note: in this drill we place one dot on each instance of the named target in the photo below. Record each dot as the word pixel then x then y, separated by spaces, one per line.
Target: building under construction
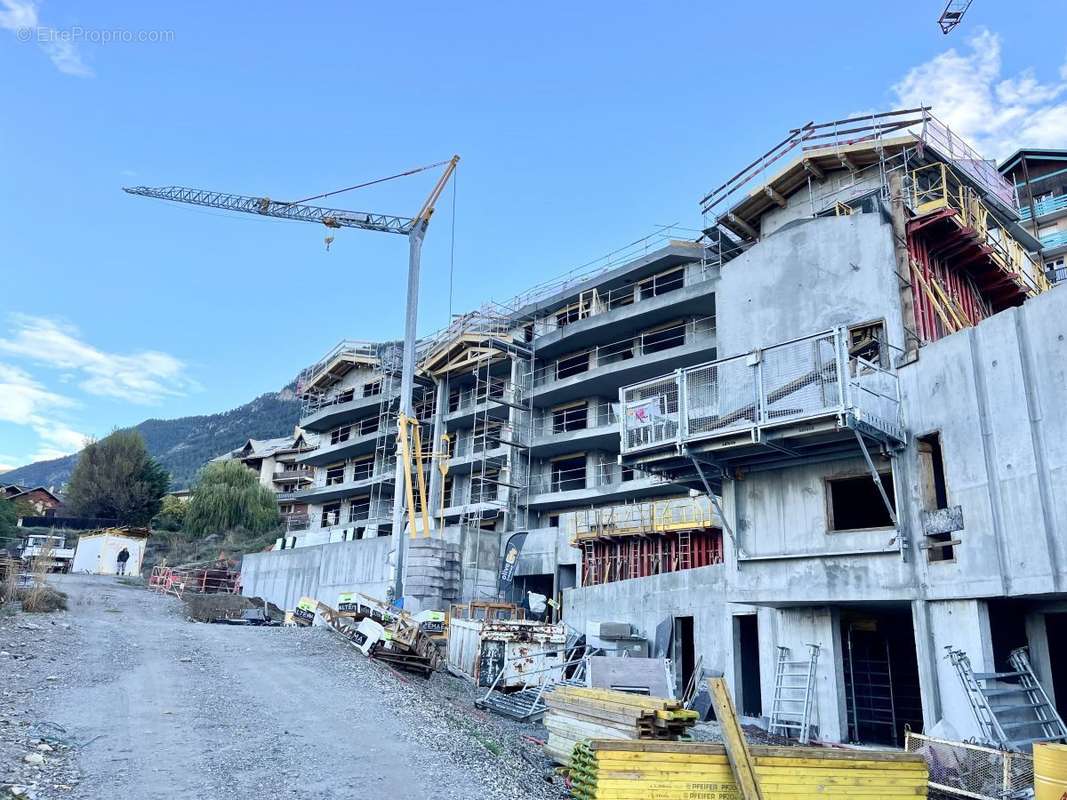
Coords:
pixel 815 447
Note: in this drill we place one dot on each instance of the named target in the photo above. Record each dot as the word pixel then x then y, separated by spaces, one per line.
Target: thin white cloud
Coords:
pixel 997 114
pixel 21 18
pixel 146 376
pixel 24 401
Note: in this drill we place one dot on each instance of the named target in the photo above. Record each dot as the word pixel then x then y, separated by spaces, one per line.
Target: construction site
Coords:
pixel 765 508
pixel 811 452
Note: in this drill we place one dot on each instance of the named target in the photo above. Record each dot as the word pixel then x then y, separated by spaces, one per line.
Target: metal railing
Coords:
pixel 669 514
pixel 296 522
pixel 964 769
pixel 295 474
pixel 1055 239
pixel 496 389
pixel 576 418
pixel 593 302
pixel 647 343
pixel 365 471
pixel 575 478
pixel 1046 205
pixel 935 187
pixel 802 379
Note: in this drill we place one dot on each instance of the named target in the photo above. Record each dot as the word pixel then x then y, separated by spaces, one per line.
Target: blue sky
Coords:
pixel 581 127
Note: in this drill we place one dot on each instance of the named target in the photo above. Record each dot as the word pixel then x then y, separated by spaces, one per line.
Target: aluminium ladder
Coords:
pixel 794 694
pixel 1023 703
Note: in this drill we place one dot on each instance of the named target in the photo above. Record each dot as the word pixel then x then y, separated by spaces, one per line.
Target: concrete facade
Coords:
pixel 967 550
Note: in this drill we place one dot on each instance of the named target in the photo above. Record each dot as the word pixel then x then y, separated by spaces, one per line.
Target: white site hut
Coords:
pixel 98 551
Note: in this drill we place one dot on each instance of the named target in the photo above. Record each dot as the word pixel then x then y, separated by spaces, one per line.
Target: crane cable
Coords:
pixel 368 183
pixel 452 246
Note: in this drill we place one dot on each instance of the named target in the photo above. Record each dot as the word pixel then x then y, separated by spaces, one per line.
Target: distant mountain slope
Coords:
pixel 185 444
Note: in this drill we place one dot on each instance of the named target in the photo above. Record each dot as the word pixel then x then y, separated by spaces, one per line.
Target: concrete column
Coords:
pixel 797 628
pixel 962 624
pixel 1040 659
pixel 439 430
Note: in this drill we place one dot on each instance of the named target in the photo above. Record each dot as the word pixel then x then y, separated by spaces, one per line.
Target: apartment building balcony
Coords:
pixel 605 483
pixel 683 289
pixel 1045 207
pixel 600 369
pixel 339 445
pixel 322 414
pixel 298 475
pixel 1053 241
pixel 296 522
pixel 360 512
pixel 466 457
pixel 788 404
pixel 583 426
pixel 493 400
pixel 351 483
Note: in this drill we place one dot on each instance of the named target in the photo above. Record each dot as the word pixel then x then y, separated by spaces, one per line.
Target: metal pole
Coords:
pixel 407 406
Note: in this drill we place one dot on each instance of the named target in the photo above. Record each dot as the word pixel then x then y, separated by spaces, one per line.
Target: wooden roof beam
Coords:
pixel 743 226
pixel 847 163
pixel 814 170
pixel 775 196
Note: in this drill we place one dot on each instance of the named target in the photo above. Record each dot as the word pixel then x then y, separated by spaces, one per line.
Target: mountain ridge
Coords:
pixel 184 444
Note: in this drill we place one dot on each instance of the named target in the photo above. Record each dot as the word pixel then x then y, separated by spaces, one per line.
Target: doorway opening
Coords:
pixel 747 638
pixel 684 652
pixel 881 675
pixel 1056 630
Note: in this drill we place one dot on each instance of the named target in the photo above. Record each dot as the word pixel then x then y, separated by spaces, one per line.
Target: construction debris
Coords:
pixel 637 770
pixel 506 654
pixel 576 713
pixel 395 637
pixel 204 577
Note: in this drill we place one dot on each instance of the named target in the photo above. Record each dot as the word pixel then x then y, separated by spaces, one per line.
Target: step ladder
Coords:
pixel 1012 708
pixel 794 694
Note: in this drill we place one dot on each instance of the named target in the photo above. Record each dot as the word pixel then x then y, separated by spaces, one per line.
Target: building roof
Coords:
pixel 14 491
pixel 1032 154
pixel 119 530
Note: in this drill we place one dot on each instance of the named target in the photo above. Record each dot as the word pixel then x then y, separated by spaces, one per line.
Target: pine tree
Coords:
pixel 117 479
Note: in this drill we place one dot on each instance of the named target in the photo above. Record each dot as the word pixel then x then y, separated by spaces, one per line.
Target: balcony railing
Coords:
pixel 296 522
pixel 935 187
pixel 593 302
pixel 293 475
pixel 795 381
pixel 575 478
pixel 644 344
pixel 1055 239
pixel 587 416
pixel 1044 206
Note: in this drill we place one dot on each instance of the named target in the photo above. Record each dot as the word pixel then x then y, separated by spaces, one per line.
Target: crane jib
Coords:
pixel 264 206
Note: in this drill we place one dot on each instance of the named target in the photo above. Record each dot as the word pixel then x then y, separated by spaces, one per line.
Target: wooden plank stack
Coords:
pixel 605 769
pixel 576 713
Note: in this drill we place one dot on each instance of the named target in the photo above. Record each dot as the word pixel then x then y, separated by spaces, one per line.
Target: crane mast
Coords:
pixel 412 227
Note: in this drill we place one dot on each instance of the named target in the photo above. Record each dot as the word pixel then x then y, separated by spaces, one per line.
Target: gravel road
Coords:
pixel 134 700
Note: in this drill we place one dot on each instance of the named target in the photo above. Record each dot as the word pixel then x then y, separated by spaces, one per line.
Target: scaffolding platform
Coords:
pixel 805 400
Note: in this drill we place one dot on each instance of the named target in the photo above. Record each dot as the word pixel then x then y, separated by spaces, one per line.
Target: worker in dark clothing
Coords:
pixel 124 556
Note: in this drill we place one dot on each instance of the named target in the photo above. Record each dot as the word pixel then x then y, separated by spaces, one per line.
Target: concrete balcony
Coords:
pixel 548 493
pixel 298 475
pixel 1046 207
pixel 788 404
pixel 607 320
pixel 325 493
pixel 601 369
pixel 555 434
pixel 324 415
pixel 330 453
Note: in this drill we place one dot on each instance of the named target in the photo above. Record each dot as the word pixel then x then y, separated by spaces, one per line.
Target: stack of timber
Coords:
pixel 638 770
pixel 398 639
pixel 576 713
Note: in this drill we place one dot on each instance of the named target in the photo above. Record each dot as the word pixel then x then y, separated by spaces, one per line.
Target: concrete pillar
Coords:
pixel 440 409
pixel 796 628
pixel 962 624
pixel 1040 658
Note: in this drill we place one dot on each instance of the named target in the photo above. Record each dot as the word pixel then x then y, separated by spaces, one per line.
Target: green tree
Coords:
pixel 228 496
pixel 171 516
pixel 9 530
pixel 117 479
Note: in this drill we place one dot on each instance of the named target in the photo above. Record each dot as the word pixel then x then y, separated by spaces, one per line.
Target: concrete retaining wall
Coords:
pixel 321 572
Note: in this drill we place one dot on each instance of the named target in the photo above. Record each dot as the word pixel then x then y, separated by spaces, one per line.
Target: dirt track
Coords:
pixel 161 707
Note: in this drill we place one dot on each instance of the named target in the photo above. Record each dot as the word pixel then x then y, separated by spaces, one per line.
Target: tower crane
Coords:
pixel 412 227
